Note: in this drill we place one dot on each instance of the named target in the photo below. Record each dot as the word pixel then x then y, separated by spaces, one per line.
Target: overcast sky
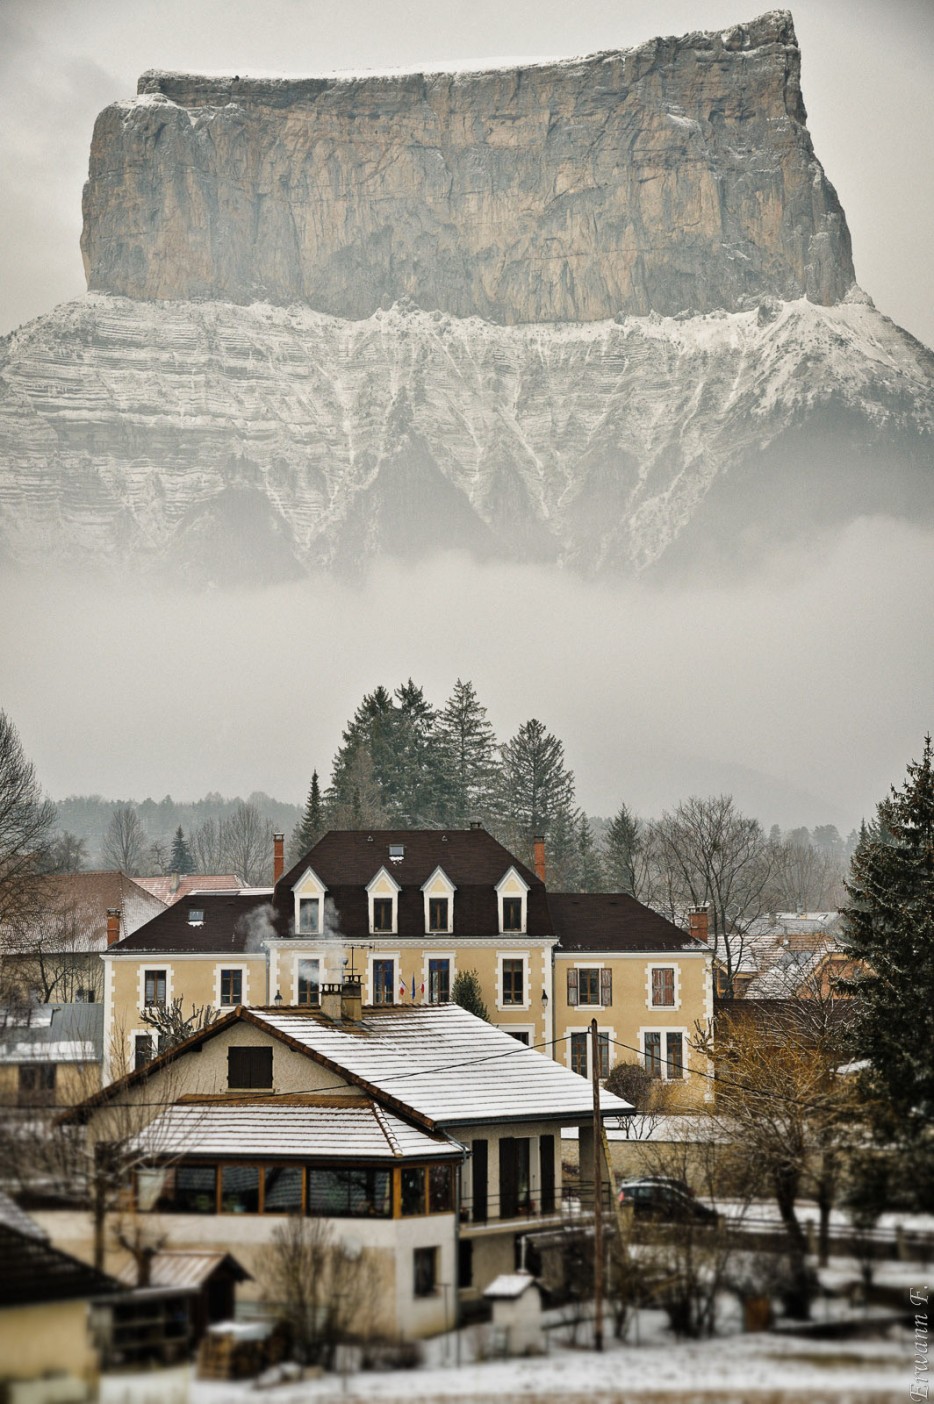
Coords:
pixel 804 693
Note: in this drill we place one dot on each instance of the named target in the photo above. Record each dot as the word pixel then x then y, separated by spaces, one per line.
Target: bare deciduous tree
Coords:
pixel 26 824
pixel 706 853
pixel 172 1026
pixel 246 842
pixel 125 841
pixel 322 1289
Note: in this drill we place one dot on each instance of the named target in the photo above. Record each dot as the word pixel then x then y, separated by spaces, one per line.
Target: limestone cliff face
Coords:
pixel 679 175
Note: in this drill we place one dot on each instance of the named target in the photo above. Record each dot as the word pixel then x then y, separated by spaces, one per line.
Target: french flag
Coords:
pixel 402 988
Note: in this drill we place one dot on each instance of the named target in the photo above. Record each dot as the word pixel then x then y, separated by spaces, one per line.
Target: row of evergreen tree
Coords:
pixel 404 763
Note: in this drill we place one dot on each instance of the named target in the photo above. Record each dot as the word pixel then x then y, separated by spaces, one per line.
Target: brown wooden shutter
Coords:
pixel 572 986
pixel 480 1180
pixel 508 1179
pixel 606 987
pixel 546 1154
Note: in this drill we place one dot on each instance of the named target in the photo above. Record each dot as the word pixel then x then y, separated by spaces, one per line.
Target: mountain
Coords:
pixel 599 313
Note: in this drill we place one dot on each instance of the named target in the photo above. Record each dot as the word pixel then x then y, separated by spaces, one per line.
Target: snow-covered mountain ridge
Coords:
pixel 251 442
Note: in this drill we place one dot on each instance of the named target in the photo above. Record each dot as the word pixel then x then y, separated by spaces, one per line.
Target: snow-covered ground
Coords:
pixel 763 1369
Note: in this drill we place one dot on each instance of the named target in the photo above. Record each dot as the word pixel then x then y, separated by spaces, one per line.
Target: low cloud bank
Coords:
pixel 803 692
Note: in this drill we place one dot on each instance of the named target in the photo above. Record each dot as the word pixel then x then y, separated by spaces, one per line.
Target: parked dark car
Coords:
pixel 656 1197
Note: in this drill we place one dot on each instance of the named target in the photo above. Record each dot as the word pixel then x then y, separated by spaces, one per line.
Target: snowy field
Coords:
pixel 762 1369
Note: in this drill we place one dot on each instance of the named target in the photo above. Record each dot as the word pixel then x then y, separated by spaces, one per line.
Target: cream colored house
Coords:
pixel 406 912
pixel 648 984
pixel 429 1140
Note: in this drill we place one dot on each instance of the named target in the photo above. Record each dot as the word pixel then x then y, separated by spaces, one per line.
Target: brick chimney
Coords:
pixel 278 857
pixel 697 924
pixel 538 845
pixel 113 925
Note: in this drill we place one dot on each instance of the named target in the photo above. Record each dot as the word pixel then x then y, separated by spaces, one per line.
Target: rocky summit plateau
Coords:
pixel 599 312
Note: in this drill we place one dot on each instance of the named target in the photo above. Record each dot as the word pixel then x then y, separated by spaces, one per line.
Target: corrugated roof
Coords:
pixel 322 1129
pixel 175 888
pixel 54 1033
pixel 181 1269
pixel 614 921
pixel 448 1066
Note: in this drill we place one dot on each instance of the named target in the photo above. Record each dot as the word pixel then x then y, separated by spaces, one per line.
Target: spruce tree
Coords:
pixel 468 993
pixel 468 754
pixel 180 859
pixel 621 852
pixel 888 927
pixel 538 798
pixel 311 825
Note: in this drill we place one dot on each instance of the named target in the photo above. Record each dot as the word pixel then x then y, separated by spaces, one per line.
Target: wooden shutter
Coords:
pixel 508 1179
pixel 249 1067
pixel 480 1178
pixel 546 1177
pixel 606 987
pixel 572 986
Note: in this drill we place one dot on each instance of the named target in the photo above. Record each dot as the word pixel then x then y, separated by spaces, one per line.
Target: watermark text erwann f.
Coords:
pixel 921 1383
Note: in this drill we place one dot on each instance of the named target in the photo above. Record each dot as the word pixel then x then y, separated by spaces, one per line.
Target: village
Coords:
pixel 409 1108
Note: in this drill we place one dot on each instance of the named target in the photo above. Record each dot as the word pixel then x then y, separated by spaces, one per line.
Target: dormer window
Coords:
pixel 512 893
pixel 382 914
pixel 195 916
pixel 512 913
pixel 309 916
pixel 383 902
pixel 438 894
pixel 438 914
pixel 396 852
pixel 310 893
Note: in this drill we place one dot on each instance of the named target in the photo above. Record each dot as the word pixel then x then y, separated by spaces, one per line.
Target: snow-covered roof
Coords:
pixel 54 1033
pixel 447 1065
pixel 326 1128
pixel 182 1269
pixel 510 1285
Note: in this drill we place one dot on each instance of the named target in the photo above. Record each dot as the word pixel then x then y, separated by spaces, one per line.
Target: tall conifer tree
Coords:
pixel 889 926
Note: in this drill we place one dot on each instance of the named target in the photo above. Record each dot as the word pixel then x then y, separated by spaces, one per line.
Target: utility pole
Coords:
pixel 597 1189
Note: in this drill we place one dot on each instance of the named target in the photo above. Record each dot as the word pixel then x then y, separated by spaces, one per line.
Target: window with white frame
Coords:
pixel 155 987
pixel 512 978
pixel 580 1054
pixel 439 980
pixel 383 903
pixel 309 916
pixel 438 909
pixel 663 1053
pixel 231 986
pixel 438 894
pixel 308 982
pixel 384 981
pixel 662 986
pixel 590 985
pixel 512 903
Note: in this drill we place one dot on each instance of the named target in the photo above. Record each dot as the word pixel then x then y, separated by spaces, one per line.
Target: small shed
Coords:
pixel 165 1319
pixel 517 1300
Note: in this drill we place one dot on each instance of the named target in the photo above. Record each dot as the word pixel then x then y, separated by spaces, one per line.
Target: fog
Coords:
pixel 804 692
